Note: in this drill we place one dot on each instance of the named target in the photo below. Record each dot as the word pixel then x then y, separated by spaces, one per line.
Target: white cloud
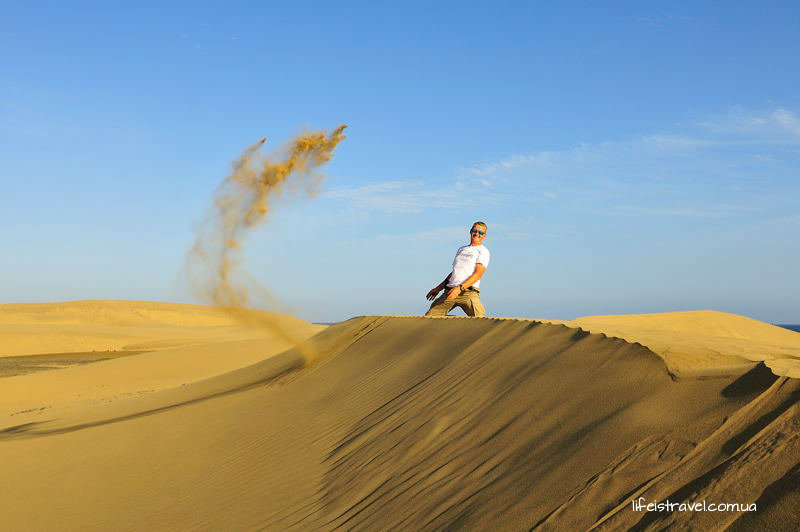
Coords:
pixel 675 142
pixel 588 154
pixel 714 169
pixel 742 126
pixel 515 161
pixel 788 120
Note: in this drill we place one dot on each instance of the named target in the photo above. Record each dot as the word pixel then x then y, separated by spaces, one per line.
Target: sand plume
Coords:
pixel 243 201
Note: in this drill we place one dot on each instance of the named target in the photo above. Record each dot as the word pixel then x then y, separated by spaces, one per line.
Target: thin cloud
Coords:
pixel 788 120
pixel 515 161
pixel 779 125
pixel 707 170
pixel 738 127
pixel 674 142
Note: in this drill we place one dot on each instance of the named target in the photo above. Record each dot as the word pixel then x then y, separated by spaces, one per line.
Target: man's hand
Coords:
pixel 432 294
pixel 454 292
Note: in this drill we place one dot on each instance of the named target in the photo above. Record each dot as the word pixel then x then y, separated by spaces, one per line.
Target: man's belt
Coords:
pixel 470 288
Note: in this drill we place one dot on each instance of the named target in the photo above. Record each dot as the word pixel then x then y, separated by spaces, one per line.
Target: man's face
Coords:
pixel 477 234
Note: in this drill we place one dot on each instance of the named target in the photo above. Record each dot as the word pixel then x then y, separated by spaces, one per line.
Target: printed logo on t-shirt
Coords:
pixel 466 255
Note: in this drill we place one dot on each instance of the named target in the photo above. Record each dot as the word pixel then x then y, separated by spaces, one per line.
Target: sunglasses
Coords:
pixel 478 232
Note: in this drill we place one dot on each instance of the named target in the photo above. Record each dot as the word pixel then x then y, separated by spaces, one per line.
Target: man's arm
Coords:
pixel 436 289
pixel 469 281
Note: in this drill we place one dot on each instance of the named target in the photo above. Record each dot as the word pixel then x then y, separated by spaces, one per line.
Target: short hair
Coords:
pixel 483 224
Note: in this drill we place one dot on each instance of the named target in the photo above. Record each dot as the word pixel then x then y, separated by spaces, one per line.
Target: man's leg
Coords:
pixel 470 301
pixel 441 306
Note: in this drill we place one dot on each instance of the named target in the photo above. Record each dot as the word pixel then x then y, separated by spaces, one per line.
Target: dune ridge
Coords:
pixel 411 423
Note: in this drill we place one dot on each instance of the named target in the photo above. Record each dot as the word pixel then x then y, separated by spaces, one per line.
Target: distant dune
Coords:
pixel 702 342
pixel 36 328
pixel 402 424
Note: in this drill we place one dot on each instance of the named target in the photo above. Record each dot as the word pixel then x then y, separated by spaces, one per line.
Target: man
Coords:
pixel 461 285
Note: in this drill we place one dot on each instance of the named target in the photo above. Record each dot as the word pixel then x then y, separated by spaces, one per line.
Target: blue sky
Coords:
pixel 628 156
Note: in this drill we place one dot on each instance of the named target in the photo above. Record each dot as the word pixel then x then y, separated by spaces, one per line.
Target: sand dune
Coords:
pixel 217 343
pixel 410 423
pixel 701 342
pixel 36 328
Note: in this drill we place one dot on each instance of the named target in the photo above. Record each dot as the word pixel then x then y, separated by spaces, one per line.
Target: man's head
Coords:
pixel 477 233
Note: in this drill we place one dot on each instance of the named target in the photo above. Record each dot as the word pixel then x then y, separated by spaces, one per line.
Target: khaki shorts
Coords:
pixel 469 301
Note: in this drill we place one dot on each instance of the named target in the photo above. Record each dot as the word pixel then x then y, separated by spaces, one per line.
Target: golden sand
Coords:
pixel 704 341
pixel 243 201
pixel 401 423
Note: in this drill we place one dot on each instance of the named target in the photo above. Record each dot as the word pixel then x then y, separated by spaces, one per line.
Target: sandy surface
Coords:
pixel 83 326
pixel 24 364
pixel 405 423
pixel 704 341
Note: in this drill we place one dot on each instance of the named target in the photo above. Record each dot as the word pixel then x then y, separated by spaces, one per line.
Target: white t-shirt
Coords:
pixel 464 264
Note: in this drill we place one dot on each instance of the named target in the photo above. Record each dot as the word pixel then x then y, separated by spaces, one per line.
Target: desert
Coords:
pixel 399 266
pixel 396 422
